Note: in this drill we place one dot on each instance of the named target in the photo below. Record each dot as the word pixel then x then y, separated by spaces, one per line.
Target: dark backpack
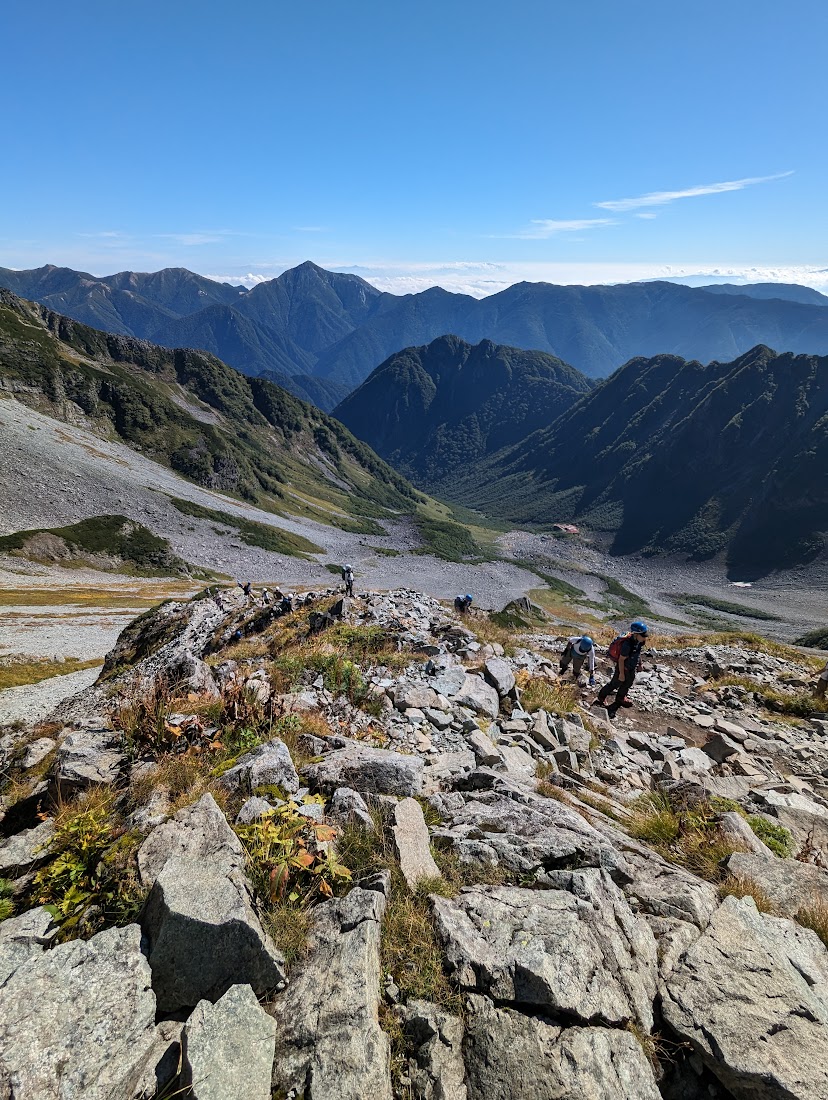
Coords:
pixel 614 651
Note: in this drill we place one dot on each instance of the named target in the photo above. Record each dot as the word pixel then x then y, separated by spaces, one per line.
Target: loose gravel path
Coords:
pixel 33 702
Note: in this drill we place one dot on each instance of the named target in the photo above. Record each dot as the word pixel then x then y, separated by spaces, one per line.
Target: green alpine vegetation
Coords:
pixel 105 542
pixel 252 532
pixel 189 411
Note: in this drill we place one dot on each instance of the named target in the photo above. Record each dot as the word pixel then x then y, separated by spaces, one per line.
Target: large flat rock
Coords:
pixel 329 1043
pixel 751 995
pixel 78 1022
pixel 367 770
pixel 510 1055
pixel 578 950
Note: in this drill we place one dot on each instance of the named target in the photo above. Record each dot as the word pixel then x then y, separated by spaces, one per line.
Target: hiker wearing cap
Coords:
pixel 578 650
pixel 625 651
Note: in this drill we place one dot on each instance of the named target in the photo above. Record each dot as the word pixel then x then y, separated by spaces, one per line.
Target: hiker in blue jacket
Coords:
pixel 626 652
pixel 577 650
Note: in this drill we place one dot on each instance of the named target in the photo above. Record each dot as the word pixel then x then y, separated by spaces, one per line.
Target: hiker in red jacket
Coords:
pixel 626 652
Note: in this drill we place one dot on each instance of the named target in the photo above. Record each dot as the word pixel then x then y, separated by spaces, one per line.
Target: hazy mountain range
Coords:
pixel 320 333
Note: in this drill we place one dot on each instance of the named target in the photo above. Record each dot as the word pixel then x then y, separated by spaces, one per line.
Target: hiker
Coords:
pixel 822 683
pixel 462 603
pixel 625 651
pixel 246 588
pixel 265 598
pixel 348 577
pixel 287 604
pixel 577 650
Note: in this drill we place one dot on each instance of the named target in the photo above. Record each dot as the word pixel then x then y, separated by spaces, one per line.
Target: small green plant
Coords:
pixel 93 866
pixel 684 833
pixel 291 857
pixel 6 903
pixel 538 693
pixel 774 835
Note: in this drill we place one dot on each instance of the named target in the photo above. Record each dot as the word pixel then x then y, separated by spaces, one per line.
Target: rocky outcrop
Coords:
pixel 87 758
pixel 509 1054
pixel 200 919
pixel 78 1022
pixel 27 850
pixel 775 1046
pixel 577 950
pixel 367 770
pixel 435 1038
pixel 329 1045
pixel 790 886
pixel 268 765
pixel 228 1048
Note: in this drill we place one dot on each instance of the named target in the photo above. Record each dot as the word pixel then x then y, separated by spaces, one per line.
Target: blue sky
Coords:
pixel 469 144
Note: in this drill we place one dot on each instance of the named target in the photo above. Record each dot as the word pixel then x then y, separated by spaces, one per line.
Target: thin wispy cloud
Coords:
pixel 191 239
pixel 646 214
pixel 662 198
pixel 310 229
pixel 539 229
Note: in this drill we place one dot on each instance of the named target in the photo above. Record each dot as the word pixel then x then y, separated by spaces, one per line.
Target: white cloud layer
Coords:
pixel 662 198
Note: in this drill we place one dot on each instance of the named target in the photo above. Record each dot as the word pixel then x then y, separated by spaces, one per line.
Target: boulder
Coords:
pixel 204 935
pixel 329 1044
pixel 348 807
pixel 720 747
pixel 478 696
pixel 78 1022
pixel 788 884
pixel 805 818
pixel 510 1055
pixel 412 843
pixel 542 734
pixel 484 749
pixel 198 832
pixel 254 809
pixel 577 950
pixel 227 1048
pixel 417 696
pixel 774 1045
pixel 189 673
pixel 435 1039
pixel 525 837
pixel 730 729
pixel 734 827
pixel 498 673
pixel 366 769
pixel 27 850
pixel 268 765
pixel 88 758
pixel 37 751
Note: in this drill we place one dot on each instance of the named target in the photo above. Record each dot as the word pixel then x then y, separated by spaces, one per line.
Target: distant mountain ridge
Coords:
pixel 337 328
pixel 670 455
pixel 433 410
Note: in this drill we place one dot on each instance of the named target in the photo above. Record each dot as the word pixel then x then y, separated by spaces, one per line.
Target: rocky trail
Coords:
pixel 368 848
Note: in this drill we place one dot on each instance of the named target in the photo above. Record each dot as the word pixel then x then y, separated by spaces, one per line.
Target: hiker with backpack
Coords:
pixel 576 651
pixel 462 603
pixel 822 683
pixel 348 578
pixel 625 651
